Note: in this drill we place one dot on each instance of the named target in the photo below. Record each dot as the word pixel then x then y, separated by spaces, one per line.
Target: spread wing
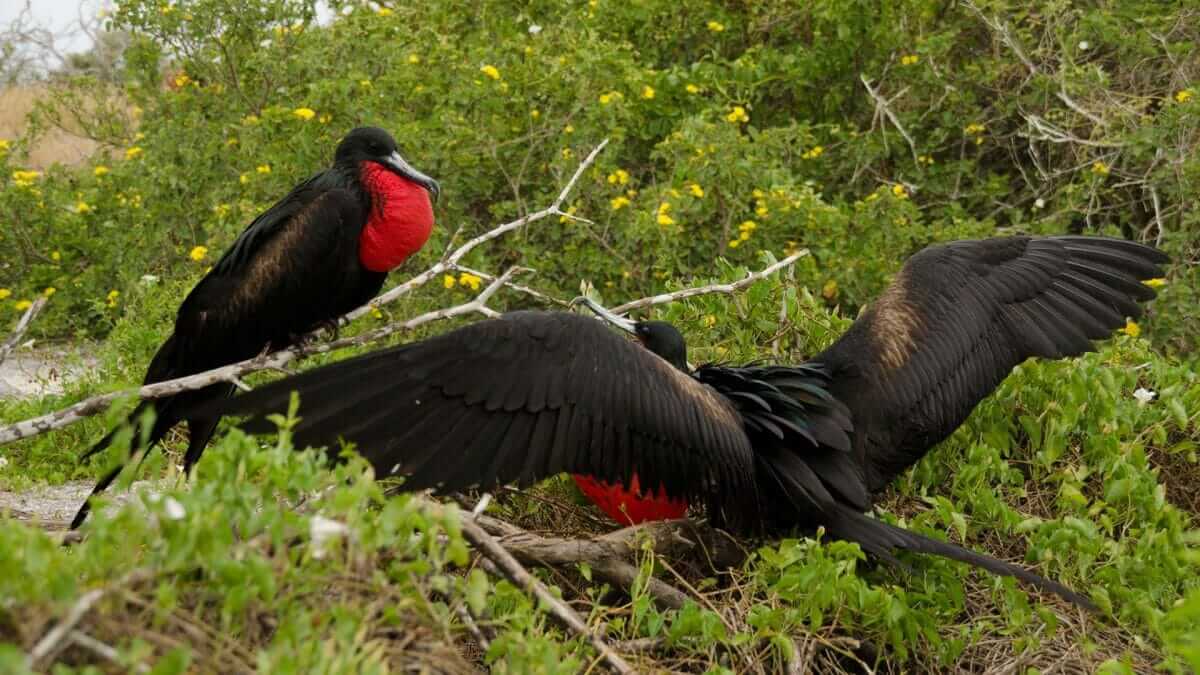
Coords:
pixel 958 318
pixel 516 400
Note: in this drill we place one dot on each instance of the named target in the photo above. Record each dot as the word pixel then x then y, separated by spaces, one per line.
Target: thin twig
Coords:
pixel 54 639
pixel 730 288
pixel 22 325
pixel 103 650
pixel 887 110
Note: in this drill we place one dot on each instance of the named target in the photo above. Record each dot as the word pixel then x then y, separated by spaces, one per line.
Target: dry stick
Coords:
pixel 711 288
pixel 53 640
pixel 276 360
pixel 22 325
pixel 883 105
pixel 514 572
pixel 103 650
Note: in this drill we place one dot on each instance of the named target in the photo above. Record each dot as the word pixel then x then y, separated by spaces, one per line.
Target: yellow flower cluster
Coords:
pixel 83 207
pixel 1100 168
pixel 3 146
pixel 568 129
pixel 647 92
pixel 716 26
pixel 1155 283
pixel 535 113
pixel 899 191
pixel 813 152
pixel 491 71
pixel 134 152
pixel 1184 95
pixel 198 253
pixel 692 89
pixel 909 59
pixel 263 168
pixel 737 115
pixel 471 280
pixel 22 305
pixel 664 217
pixel 111 298
pixel 974 129
pixel 611 96
pixel 384 11
pixel 744 231
pixel 25 178
pixel 618 177
pixel 304 113
pixel 619 203
pixel 925 159
pixel 695 190
pixel 5 293
pixel 49 291
pixel 100 171
pixel 182 80
pixel 1131 328
pixel 567 154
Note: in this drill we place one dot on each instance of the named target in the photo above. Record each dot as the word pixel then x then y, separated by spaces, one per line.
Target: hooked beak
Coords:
pixel 397 163
pixel 618 321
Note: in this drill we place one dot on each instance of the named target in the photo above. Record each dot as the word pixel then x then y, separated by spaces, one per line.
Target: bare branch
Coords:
pixel 730 288
pixel 22 325
pixel 103 650
pixel 55 639
pixel 882 104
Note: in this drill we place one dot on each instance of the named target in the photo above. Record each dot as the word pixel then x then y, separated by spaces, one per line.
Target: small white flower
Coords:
pixel 347 10
pixel 173 509
pixel 321 530
pixel 534 29
pixel 3 461
pixel 1039 203
pixel 149 279
pixel 1084 45
pixel 1144 396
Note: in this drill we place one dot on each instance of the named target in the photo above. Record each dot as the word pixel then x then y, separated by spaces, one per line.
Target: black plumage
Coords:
pixel 296 267
pixel 532 394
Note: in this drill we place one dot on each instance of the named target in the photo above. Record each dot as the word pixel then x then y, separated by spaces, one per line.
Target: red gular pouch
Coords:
pixel 629 506
pixel 400 221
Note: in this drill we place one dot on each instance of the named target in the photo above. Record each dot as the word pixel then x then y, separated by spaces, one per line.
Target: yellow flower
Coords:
pixel 618 177
pixel 198 253
pixel 619 203
pixel 716 26
pixel 761 210
pixel 133 153
pixel 899 191
pixel 1131 328
pixel 308 113
pixel 25 178
pixel 568 129
pixel 375 313
pixel 468 279
pixel 925 159
pixel 664 219
pixel 166 9
pixel 263 168
pixel 490 71
pixel 182 80
pixel 567 154
pixel 696 190
pixel 974 129
pixel 414 59
pixel 3 146
pixel 692 89
pixel 647 92
pixel 813 152
pixel 100 171
pixel 734 243
pixel 384 11
pixel 567 216
pixel 909 59
pixel 244 178
pixel 748 226
pixel 250 120
pixel 82 207
pixel 55 256
pixel 323 119
pixel 710 320
pixel 448 280
pixel 830 290
pixel 1100 168
pixel 22 305
pixel 49 291
pixel 611 96
pixel 737 115
pixel 535 113
pixel 1184 95
pixel 1155 283
pixel 5 293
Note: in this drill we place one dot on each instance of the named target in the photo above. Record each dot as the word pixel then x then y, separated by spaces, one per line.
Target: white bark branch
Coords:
pixel 727 289
pixel 882 104
pixel 22 325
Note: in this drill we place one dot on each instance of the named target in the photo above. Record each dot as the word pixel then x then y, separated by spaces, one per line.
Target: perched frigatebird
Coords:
pixel 321 251
pixel 531 394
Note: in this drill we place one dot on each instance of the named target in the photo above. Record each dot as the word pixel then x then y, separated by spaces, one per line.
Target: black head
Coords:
pixel 376 145
pixel 664 340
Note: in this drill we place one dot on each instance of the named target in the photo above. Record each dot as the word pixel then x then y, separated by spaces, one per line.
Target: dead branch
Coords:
pixel 22 325
pixel 882 104
pixel 56 638
pixel 727 289
pixel 103 650
pixel 514 572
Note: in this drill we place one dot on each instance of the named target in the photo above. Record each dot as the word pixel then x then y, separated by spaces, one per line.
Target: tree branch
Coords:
pixel 882 104
pixel 730 288
pixel 22 325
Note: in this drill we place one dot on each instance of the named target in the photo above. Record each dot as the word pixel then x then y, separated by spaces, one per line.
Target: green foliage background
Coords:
pixel 1064 116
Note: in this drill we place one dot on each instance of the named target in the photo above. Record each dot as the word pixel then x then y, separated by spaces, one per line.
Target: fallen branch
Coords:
pixel 608 555
pixel 55 639
pixel 514 572
pixel 22 325
pixel 728 289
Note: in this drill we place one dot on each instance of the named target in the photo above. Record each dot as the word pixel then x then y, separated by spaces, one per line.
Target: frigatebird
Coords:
pixel 528 395
pixel 321 251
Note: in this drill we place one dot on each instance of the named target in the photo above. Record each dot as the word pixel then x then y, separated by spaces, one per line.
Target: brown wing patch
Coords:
pixel 269 264
pixel 895 323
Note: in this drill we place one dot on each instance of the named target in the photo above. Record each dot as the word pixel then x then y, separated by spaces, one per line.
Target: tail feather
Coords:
pixel 881 539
